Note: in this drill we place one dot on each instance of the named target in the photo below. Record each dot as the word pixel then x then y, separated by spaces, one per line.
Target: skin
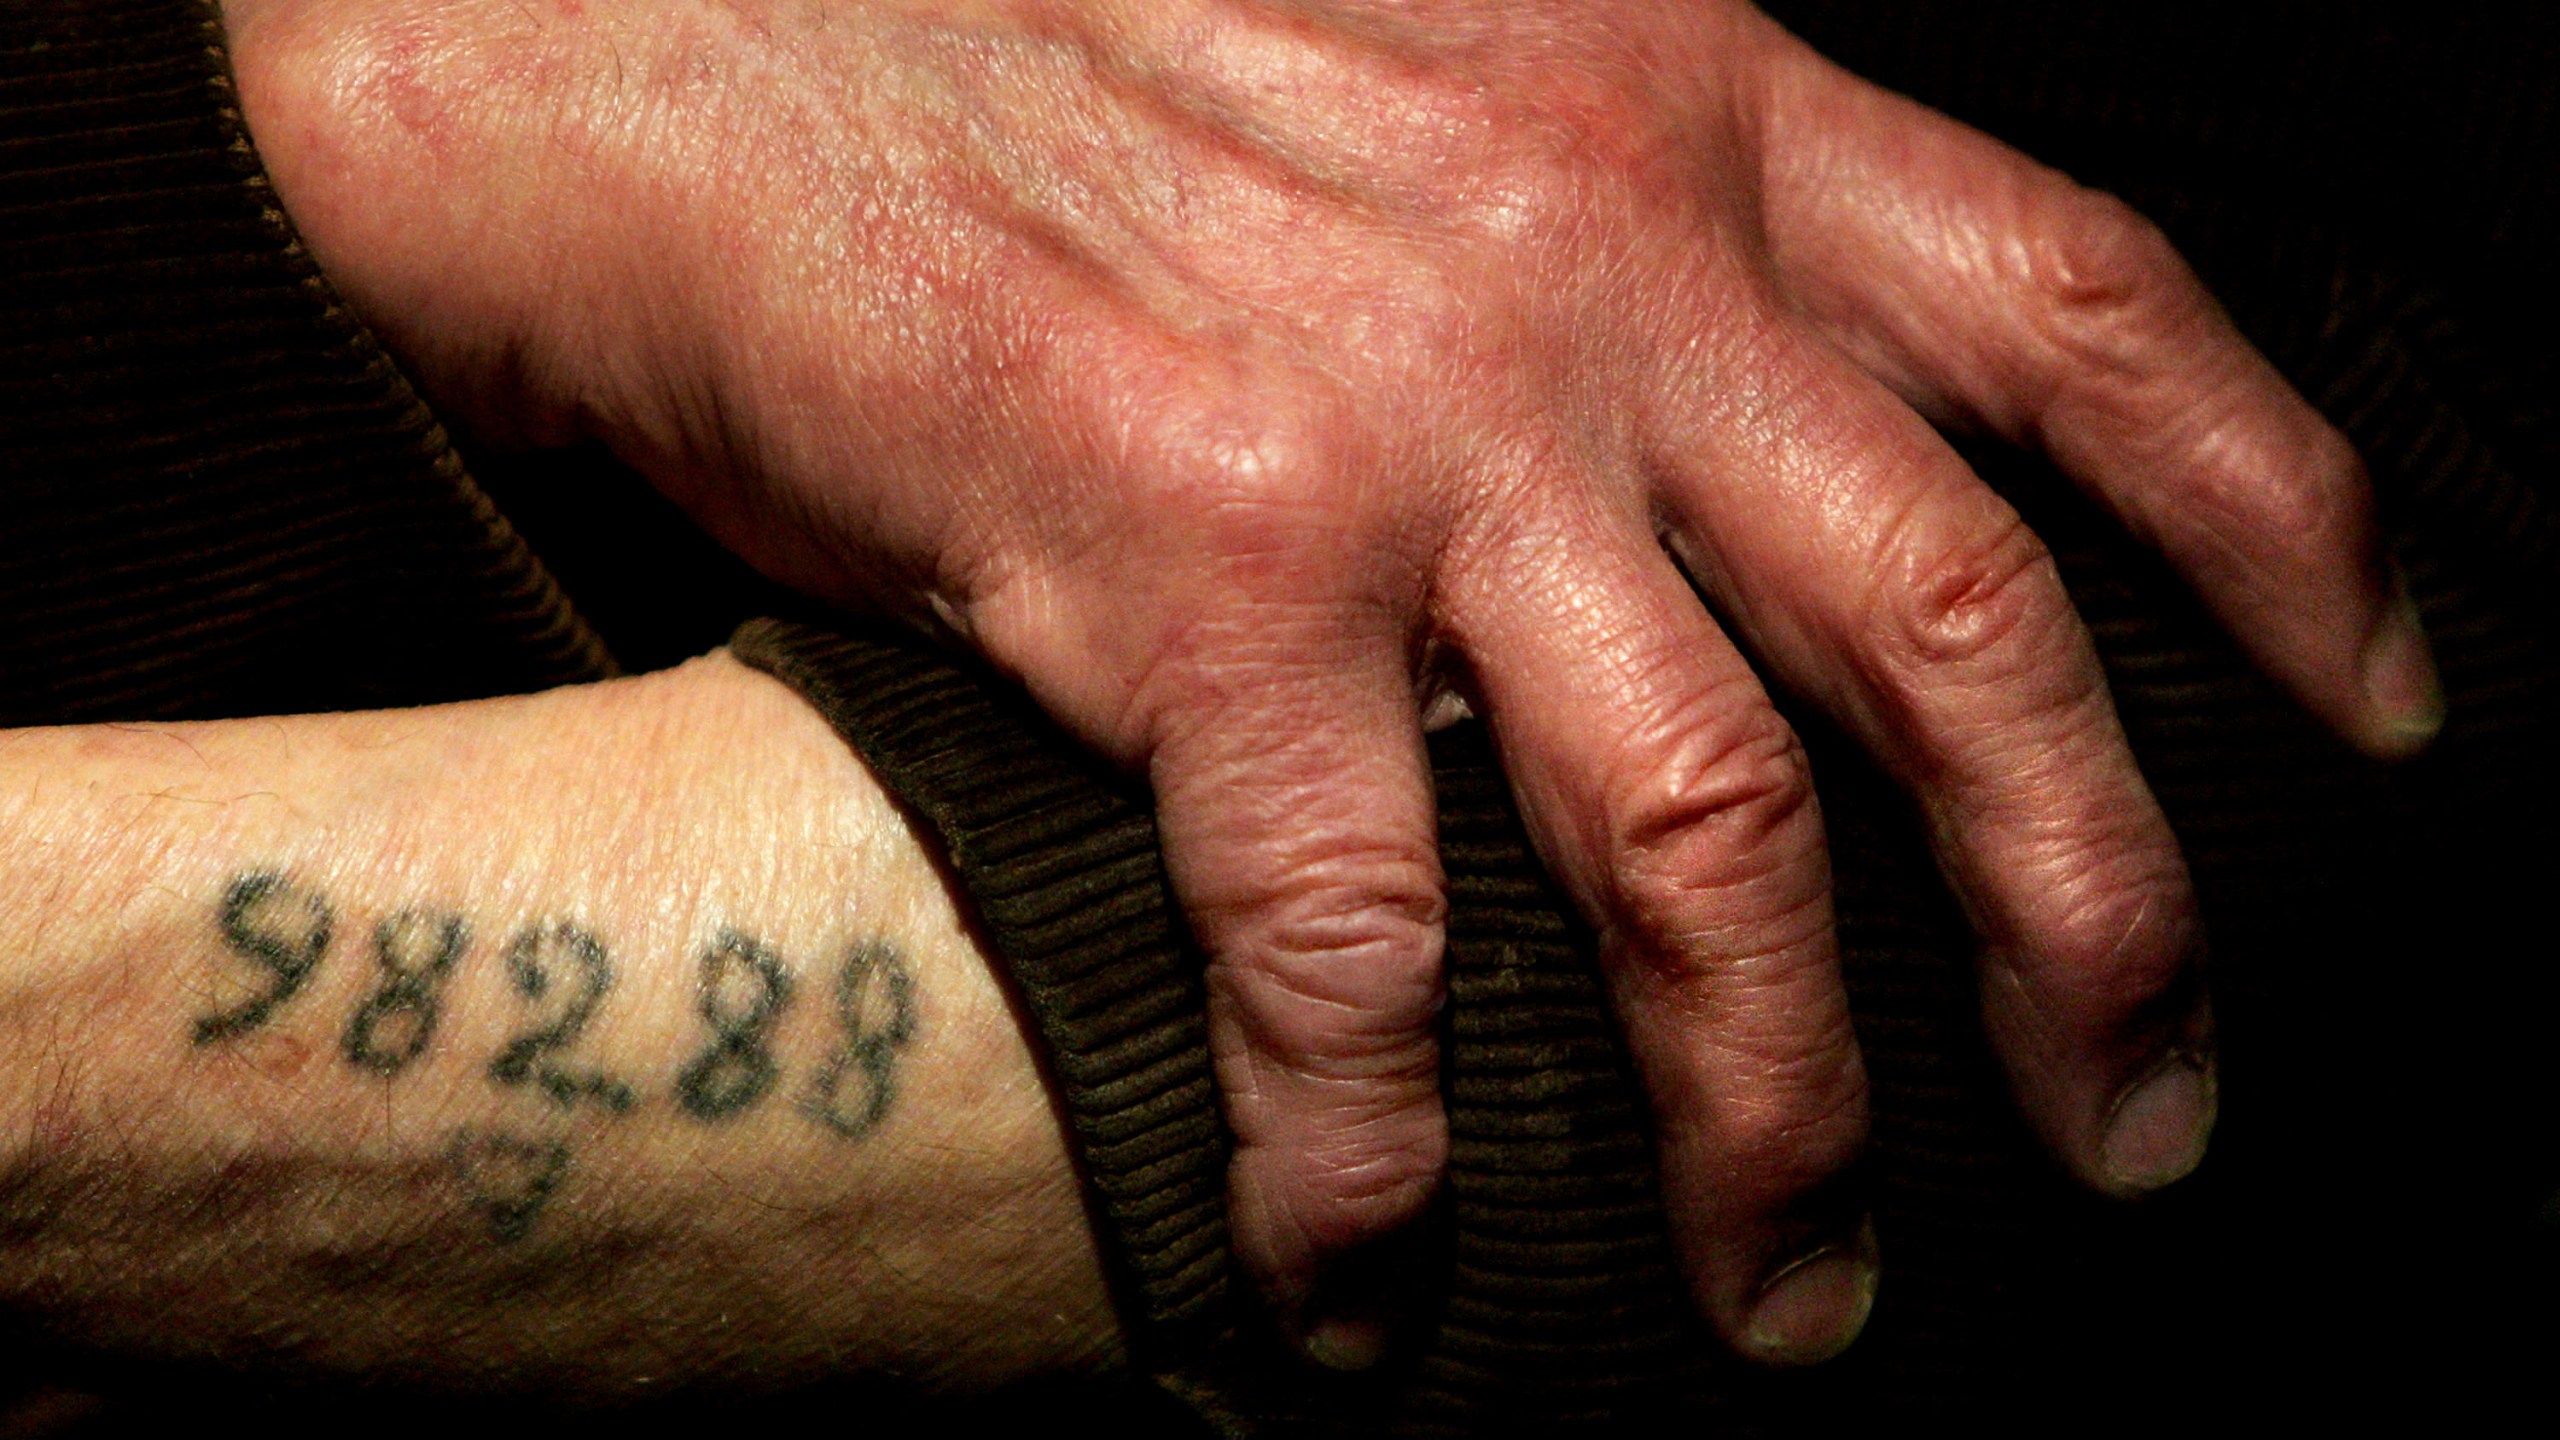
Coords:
pixel 300 1190
pixel 1252 379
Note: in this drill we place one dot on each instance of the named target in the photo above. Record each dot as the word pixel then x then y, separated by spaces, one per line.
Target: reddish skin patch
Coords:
pixel 286 1059
pixel 413 102
pixel 250 1066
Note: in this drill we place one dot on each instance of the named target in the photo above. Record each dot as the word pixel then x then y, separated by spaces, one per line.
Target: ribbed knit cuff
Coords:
pixel 1061 866
pixel 267 518
pixel 1553 1299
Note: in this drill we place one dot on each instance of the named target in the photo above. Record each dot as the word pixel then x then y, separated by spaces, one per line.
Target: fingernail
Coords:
pixel 2400 675
pixel 1360 1303
pixel 1815 1305
pixel 2157 1130
pixel 1349 1343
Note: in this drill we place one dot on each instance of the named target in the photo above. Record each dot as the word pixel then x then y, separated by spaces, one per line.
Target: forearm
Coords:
pixel 612 1034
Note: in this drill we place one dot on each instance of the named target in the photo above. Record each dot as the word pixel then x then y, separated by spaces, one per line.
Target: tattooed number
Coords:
pixel 528 1058
pixel 874 979
pixel 278 926
pixel 738 1068
pixel 509 1178
pixel 416 950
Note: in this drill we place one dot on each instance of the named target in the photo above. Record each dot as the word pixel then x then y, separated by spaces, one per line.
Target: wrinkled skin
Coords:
pixel 1255 379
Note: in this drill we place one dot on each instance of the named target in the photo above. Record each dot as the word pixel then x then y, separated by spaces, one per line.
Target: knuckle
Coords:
pixel 1447 121
pixel 1339 981
pixel 1245 467
pixel 2089 252
pixel 2121 932
pixel 1992 596
pixel 1726 783
pixel 1376 1158
pixel 1315 1179
pixel 2104 281
pixel 1339 1175
pixel 2135 346
pixel 2319 504
pixel 1801 1127
pixel 1534 186
pixel 1715 849
pixel 1570 156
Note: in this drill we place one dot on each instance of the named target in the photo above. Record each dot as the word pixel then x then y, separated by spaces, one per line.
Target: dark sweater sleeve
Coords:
pixel 222 497
pixel 1552 1297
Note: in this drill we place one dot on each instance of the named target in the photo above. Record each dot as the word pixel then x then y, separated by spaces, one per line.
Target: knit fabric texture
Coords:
pixel 223 497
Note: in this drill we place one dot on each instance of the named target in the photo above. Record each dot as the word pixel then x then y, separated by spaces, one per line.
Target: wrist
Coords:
pixel 273 1048
pixel 419 153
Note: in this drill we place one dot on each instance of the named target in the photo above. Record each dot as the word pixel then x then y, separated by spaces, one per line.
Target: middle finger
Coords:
pixel 1872 571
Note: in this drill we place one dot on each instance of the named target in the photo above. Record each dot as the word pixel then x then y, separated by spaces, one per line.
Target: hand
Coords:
pixel 326 1043
pixel 1249 378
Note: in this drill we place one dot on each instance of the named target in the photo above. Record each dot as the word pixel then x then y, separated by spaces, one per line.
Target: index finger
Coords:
pixel 1989 290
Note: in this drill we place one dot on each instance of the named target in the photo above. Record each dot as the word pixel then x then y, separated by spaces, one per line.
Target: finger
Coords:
pixel 1874 573
pixel 1993 292
pixel 1674 803
pixel 1294 797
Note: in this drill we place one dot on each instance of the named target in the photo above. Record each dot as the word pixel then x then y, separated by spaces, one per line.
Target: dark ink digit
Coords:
pixel 510 1178
pixel 280 927
pixel 737 1070
pixel 416 950
pixel 872 1043
pixel 527 1060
